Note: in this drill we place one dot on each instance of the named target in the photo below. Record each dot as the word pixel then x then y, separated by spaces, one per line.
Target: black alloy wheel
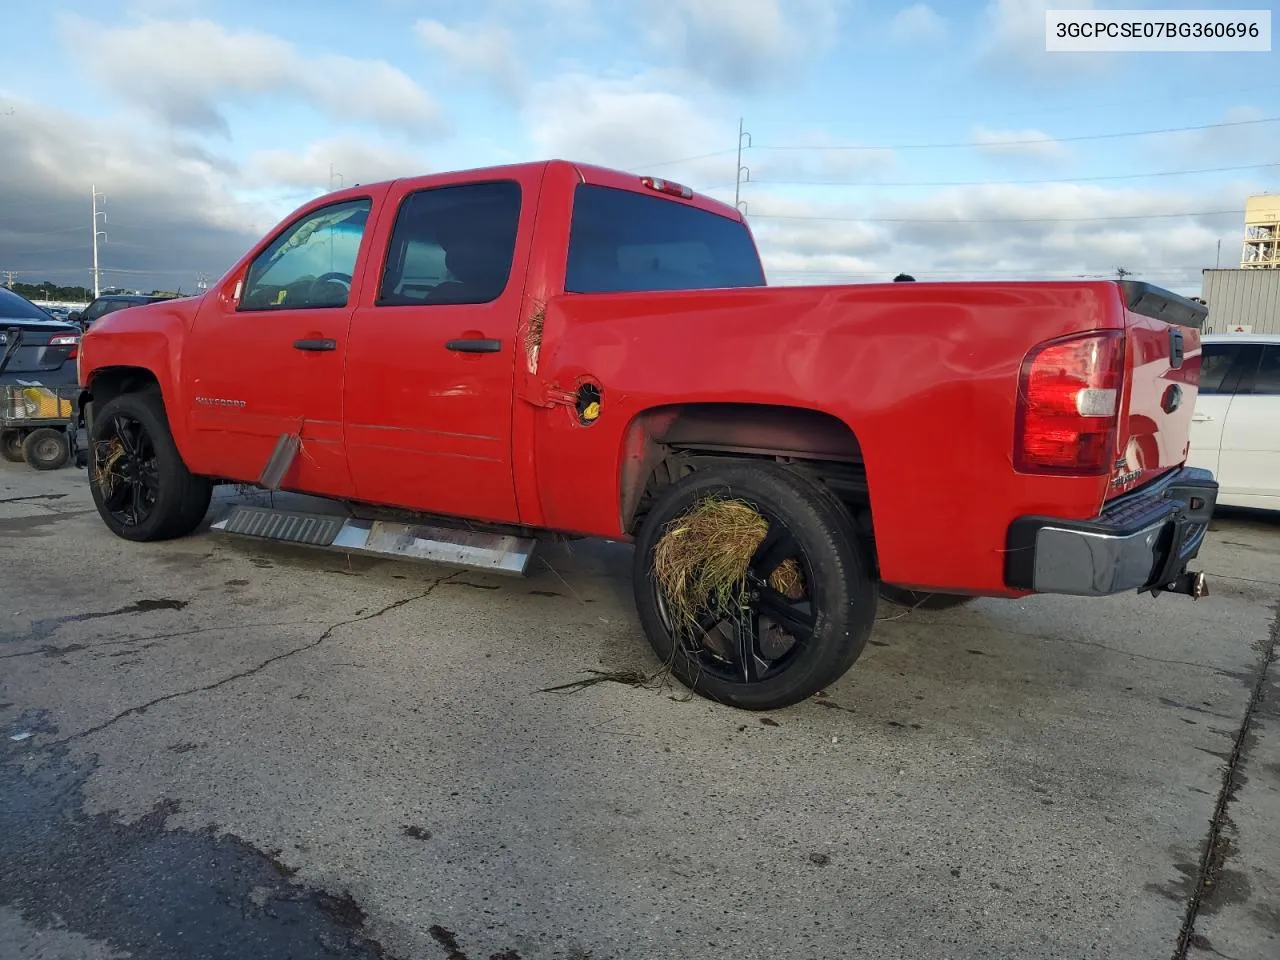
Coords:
pixel 794 623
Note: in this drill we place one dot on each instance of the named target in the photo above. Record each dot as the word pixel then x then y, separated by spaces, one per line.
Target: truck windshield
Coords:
pixel 625 242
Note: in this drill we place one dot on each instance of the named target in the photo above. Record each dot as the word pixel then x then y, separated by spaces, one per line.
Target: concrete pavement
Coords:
pixel 246 750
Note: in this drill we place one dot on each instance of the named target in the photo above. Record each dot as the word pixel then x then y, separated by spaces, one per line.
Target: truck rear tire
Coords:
pixel 141 487
pixel 918 600
pixel 46 449
pixel 11 445
pixel 767 643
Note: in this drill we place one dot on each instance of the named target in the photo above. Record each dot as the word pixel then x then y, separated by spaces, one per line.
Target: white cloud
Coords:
pixel 918 23
pixel 993 231
pixel 173 210
pixel 356 159
pixel 184 72
pixel 1014 37
pixel 742 43
pixel 1027 144
pixel 632 124
pixel 1237 142
pixel 486 49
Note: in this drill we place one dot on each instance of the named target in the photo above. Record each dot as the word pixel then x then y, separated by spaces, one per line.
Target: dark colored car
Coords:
pixel 35 347
pixel 110 303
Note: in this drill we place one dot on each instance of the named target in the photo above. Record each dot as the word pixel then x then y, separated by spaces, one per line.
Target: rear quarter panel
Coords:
pixel 925 375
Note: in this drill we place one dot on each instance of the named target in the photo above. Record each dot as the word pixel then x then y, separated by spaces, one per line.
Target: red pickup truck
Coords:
pixel 453 367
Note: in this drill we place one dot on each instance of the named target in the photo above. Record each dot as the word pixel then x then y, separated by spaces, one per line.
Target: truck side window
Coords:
pixel 621 241
pixel 311 263
pixel 1217 360
pixel 452 245
pixel 1266 381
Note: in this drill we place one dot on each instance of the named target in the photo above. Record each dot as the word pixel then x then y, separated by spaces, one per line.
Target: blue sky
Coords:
pixel 204 121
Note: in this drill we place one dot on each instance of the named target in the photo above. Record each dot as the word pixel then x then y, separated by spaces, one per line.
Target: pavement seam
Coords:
pixel 50 649
pixel 329 631
pixel 1207 866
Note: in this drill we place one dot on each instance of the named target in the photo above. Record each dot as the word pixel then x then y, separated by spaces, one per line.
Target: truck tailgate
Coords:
pixel 1162 350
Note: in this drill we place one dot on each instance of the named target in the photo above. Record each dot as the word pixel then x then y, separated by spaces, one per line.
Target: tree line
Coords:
pixel 54 291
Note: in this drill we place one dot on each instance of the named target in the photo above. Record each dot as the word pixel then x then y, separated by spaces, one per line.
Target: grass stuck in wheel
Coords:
pixel 703 555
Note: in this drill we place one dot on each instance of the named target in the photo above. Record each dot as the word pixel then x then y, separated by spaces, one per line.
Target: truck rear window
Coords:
pixel 626 242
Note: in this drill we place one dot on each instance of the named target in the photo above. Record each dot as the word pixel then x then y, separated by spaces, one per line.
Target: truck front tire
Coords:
pixel 141 487
pixel 770 642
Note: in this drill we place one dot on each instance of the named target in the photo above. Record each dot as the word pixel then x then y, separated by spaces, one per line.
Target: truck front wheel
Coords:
pixel 751 586
pixel 142 489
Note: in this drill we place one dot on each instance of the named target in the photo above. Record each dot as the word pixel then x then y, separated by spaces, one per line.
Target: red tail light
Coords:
pixel 1069 405
pixel 667 187
pixel 68 340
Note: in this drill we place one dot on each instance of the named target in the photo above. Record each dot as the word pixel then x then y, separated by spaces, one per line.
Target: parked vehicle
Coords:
pixel 37 358
pixel 1235 431
pixel 464 363
pixel 99 307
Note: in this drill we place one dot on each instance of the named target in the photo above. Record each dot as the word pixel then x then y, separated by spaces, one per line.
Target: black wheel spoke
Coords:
pixel 122 434
pixel 133 487
pixel 790 616
pixel 747 627
pixel 777 546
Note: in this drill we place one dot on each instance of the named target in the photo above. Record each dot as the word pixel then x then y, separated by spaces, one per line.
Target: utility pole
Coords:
pixel 737 177
pixel 97 273
pixel 1218 263
pixel 332 174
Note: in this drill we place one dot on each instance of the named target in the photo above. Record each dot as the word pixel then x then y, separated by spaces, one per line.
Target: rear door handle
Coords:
pixel 315 345
pixel 1200 418
pixel 474 346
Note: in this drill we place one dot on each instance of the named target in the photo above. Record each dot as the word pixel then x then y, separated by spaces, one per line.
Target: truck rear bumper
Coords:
pixel 1142 541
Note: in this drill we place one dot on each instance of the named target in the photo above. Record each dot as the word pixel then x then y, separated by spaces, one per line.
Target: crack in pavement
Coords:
pixel 34 496
pixel 49 649
pixel 1210 861
pixel 329 631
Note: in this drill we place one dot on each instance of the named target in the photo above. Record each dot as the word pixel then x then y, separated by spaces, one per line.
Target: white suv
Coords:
pixel 1235 430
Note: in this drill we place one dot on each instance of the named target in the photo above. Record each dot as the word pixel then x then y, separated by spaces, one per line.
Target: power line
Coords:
pixel 1179 98
pixel 985 183
pixel 1037 141
pixel 964 220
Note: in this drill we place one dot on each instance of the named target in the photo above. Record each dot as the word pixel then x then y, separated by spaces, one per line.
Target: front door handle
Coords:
pixel 474 346
pixel 1200 418
pixel 315 345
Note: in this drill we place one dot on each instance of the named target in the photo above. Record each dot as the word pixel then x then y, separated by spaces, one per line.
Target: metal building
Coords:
pixel 1241 300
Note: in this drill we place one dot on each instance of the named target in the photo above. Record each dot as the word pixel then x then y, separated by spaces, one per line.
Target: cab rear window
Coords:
pixel 626 242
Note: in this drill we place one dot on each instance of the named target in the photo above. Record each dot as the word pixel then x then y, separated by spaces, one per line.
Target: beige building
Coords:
pixel 1261 233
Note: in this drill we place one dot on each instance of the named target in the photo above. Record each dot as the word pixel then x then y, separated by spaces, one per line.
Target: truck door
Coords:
pixel 1250 458
pixel 269 360
pixel 1221 365
pixel 431 361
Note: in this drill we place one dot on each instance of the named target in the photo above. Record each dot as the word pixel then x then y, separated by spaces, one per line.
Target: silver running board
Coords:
pixel 477 550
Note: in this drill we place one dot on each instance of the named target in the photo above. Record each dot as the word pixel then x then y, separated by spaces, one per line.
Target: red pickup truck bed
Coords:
pixel 556 347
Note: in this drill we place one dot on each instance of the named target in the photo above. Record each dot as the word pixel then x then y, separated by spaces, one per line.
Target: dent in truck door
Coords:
pixel 429 387
pixel 269 361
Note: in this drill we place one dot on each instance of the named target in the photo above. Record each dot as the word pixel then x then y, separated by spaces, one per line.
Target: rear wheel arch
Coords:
pixel 664 444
